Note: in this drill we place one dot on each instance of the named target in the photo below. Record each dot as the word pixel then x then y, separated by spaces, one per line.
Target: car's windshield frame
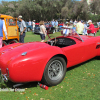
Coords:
pixel 73 34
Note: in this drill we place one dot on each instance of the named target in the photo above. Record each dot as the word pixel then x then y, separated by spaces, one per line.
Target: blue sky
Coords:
pixel 8 0
pixel 16 0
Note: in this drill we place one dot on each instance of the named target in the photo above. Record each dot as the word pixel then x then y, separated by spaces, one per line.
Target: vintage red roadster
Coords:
pixel 46 62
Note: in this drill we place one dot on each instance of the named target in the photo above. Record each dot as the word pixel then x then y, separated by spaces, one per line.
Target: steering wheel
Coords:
pixel 52 42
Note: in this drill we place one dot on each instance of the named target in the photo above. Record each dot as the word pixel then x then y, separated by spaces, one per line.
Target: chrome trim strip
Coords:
pixel 7 72
pixel 5 78
pixel 80 37
pixel 0 71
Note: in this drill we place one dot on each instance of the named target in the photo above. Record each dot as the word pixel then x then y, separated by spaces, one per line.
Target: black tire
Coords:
pixel 4 43
pixel 12 41
pixel 54 72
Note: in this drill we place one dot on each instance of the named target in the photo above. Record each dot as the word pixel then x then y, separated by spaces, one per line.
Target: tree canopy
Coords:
pixel 51 9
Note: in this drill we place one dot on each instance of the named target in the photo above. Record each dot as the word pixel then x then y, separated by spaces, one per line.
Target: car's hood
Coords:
pixel 22 47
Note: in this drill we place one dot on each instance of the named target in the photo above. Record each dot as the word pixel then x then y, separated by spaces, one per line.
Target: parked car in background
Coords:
pixel 96 28
pixel 48 26
pixel 37 29
pixel 29 27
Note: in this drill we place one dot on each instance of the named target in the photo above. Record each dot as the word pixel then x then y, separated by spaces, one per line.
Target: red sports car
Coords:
pixel 46 62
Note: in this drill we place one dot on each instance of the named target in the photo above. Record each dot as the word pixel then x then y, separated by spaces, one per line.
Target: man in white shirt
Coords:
pixel 22 29
pixel 33 25
pixel 29 23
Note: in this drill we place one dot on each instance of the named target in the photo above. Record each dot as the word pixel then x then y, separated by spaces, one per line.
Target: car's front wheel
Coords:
pixel 54 72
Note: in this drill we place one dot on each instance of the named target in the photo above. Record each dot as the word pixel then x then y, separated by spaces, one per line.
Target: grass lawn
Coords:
pixel 82 82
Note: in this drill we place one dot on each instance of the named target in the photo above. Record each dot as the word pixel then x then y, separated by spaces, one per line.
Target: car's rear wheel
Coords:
pixel 4 43
pixel 54 72
pixel 12 41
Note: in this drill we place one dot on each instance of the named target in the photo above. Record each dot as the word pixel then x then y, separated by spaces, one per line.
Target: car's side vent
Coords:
pixel 98 46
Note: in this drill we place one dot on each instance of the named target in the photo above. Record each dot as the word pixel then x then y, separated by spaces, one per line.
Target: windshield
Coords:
pixel 12 22
pixel 70 32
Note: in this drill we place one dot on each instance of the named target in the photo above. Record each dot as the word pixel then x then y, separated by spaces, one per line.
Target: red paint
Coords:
pixel 30 67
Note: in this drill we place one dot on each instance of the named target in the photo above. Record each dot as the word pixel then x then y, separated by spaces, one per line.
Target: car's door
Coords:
pixel 80 52
pixel 74 53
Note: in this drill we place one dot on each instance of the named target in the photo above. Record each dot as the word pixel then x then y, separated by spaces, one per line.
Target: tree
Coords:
pixel 75 9
pixel 95 7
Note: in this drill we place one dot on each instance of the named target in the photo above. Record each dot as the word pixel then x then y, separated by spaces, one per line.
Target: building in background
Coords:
pixel 89 1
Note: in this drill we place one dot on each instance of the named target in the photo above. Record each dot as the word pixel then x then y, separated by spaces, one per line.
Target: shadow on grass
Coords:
pixel 10 84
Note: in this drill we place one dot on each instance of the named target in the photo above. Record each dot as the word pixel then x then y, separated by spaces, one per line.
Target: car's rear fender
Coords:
pixel 31 67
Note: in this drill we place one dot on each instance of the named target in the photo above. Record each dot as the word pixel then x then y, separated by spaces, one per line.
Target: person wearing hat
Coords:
pixel 33 25
pixel 91 29
pixel 22 29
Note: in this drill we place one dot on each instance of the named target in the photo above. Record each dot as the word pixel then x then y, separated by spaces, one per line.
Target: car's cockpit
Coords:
pixel 61 42
pixel 64 40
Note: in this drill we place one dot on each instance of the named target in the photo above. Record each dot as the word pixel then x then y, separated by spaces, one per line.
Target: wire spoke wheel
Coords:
pixel 55 70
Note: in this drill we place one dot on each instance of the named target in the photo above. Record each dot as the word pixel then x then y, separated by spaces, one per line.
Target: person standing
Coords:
pixel 22 29
pixel 91 29
pixel 56 26
pixel 53 25
pixel 74 27
pixel 2 28
pixel 29 23
pixel 79 27
pixel 65 29
pixel 85 28
pixel 42 31
pixel 33 25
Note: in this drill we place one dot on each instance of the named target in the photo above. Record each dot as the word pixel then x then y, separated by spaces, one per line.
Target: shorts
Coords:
pixel 42 36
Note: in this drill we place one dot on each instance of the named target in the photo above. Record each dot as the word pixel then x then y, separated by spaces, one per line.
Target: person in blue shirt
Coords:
pixel 2 28
pixel 85 28
pixel 53 25
pixel 74 27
